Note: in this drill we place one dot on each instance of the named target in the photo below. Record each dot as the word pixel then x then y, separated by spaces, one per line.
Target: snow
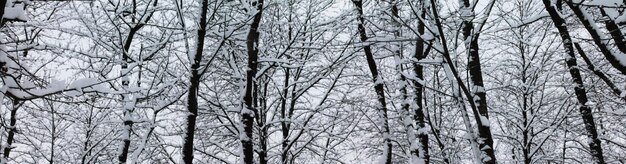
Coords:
pixel 247 111
pixel 620 111
pixel 191 55
pixel 81 83
pixel 485 121
pixel 621 19
pixel 273 60
pixel 466 14
pixel 485 158
pixel 607 3
pixel 14 10
pixel 378 80
pixel 3 91
pixel 417 161
pixel 478 89
pixel 620 57
pixel 129 106
pixel 383 158
pixel 427 36
pixel 431 61
pixel 423 130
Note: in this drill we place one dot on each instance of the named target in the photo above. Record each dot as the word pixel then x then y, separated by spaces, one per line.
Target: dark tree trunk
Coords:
pixel 485 136
pixel 418 114
pixel 263 145
pixel 615 32
pixel 3 4
pixel 247 114
pixel 598 40
pixel 260 118
pixel 284 123
pixel 128 121
pixel 581 94
pixel 126 60
pixel 599 73
pixel 485 140
pixel 194 80
pixel 378 84
pixel 12 130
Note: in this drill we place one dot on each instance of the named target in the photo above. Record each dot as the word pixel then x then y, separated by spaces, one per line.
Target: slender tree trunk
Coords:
pixel 525 132
pixel 599 73
pixel 479 96
pixel 128 109
pixel 263 136
pixel 417 136
pixel 53 132
pixel 378 81
pixel 615 32
pixel 284 123
pixel 260 118
pixel 418 69
pixel 404 84
pixel 3 4
pixel 248 111
pixel 599 39
pixel 194 80
pixel 449 64
pixel 129 104
pixel 12 130
pixel 581 94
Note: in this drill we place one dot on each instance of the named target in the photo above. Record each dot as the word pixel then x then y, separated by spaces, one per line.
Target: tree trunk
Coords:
pixel 284 123
pixel 194 80
pixel 418 69
pixel 479 96
pixel 248 111
pixel 598 38
pixel 3 4
pixel 463 88
pixel 378 82
pixel 615 32
pixel 127 116
pixel 12 130
pixel 125 73
pixel 599 73
pixel 581 94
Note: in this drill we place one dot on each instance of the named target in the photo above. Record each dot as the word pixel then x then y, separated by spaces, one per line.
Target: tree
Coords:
pixel 581 94
pixel 378 82
pixel 194 80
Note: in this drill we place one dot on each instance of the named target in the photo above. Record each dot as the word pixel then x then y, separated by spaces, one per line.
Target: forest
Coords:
pixel 313 81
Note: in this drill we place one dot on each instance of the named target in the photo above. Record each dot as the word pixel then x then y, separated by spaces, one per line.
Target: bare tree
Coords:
pixel 581 94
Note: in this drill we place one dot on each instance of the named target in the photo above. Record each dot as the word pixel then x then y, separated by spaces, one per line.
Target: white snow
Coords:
pixel 466 14
pixel 478 89
pixel 427 36
pixel 620 57
pixel 378 80
pixel 485 121
pixel 431 61
pixel 14 10
pixel 621 19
